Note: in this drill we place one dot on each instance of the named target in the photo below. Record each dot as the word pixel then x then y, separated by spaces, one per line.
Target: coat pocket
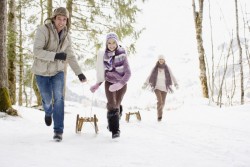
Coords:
pixel 60 65
pixel 40 66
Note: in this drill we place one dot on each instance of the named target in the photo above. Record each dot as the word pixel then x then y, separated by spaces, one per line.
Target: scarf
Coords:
pixel 154 74
pixel 109 57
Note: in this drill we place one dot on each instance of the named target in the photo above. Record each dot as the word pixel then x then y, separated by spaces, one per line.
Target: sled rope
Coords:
pixel 80 121
pixel 91 104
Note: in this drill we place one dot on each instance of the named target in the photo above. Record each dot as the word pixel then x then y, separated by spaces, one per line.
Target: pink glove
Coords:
pixel 115 87
pixel 94 87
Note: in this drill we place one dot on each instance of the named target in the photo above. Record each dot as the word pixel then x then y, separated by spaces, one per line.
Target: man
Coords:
pixel 52 48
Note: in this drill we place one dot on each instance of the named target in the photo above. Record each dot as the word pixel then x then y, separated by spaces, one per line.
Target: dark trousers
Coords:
pixel 114 99
pixel 161 97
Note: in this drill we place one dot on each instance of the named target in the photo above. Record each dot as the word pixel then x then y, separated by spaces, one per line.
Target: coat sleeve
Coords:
pixel 72 59
pixel 100 67
pixel 172 77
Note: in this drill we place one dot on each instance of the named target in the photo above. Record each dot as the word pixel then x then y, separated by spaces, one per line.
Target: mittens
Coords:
pixel 176 86
pixel 115 87
pixel 94 87
pixel 60 56
pixel 144 85
pixel 82 77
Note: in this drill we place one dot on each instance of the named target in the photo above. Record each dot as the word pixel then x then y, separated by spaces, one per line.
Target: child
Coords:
pixel 113 68
pixel 161 80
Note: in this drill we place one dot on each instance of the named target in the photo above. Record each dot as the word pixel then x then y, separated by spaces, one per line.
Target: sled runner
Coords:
pixel 138 115
pixel 81 120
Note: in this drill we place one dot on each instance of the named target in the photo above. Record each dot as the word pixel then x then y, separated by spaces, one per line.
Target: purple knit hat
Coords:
pixel 112 35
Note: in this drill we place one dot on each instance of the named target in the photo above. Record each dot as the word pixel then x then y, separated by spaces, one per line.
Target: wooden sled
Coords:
pixel 81 120
pixel 138 115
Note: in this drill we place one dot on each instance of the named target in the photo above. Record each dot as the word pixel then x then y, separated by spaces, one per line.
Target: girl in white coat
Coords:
pixel 160 80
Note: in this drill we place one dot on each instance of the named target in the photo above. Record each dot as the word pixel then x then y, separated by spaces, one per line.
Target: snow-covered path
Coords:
pixel 197 136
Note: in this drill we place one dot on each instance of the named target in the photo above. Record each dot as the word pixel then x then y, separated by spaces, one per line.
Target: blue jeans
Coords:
pixel 51 87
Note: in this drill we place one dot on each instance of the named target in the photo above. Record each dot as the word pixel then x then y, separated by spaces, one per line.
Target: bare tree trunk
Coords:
pixel 42 11
pixel 49 8
pixel 198 16
pixel 11 50
pixel 30 92
pixel 20 93
pixel 233 79
pixel 5 103
pixel 36 90
pixel 26 97
pixel 69 7
pixel 212 45
pixel 240 55
pixel 219 98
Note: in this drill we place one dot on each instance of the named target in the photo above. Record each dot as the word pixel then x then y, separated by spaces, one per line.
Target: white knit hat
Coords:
pixel 161 56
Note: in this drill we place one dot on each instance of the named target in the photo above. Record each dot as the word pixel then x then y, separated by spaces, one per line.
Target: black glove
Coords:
pixel 81 77
pixel 61 56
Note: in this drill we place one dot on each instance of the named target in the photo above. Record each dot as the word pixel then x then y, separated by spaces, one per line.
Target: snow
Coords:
pixel 193 132
pixel 193 135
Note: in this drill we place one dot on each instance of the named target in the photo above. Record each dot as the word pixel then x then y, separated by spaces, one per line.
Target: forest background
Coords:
pixel 214 35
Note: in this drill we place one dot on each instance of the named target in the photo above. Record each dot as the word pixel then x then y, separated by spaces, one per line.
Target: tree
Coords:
pixel 42 11
pixel 49 8
pixel 240 54
pixel 212 47
pixel 20 62
pixel 198 16
pixel 91 20
pixel 5 103
pixel 11 50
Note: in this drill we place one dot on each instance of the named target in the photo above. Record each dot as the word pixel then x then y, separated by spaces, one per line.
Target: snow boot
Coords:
pixel 57 137
pixel 113 122
pixel 116 134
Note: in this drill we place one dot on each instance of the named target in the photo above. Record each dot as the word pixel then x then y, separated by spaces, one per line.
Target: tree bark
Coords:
pixel 36 90
pixel 49 8
pixel 198 16
pixel 20 90
pixel 11 50
pixel 240 55
pixel 212 47
pixel 5 103
pixel 42 11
